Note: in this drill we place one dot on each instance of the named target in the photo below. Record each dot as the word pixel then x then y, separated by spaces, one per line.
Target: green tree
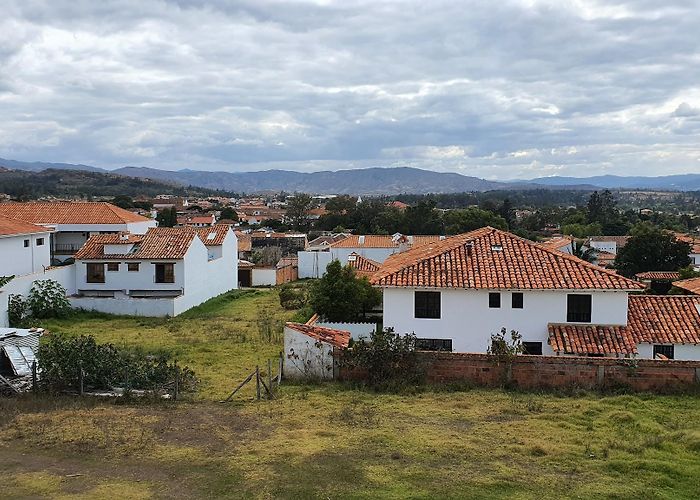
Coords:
pixel 167 217
pixel 123 201
pixel 341 204
pixel 651 249
pixel 298 207
pixel 507 212
pixel 422 218
pixel 229 213
pixel 468 219
pixel 578 249
pixel 341 296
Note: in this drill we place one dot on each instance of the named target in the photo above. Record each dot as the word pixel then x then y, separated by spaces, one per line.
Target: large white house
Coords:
pixel 454 294
pixel 24 247
pixel 73 223
pixel 161 273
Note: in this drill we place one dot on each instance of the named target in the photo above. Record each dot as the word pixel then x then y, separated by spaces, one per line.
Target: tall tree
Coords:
pixel 651 249
pixel 167 217
pixel 507 211
pixel 341 296
pixel 123 201
pixel 229 213
pixel 468 219
pixel 298 207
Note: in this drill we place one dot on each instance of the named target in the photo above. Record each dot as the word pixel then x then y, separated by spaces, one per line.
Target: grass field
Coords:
pixel 331 441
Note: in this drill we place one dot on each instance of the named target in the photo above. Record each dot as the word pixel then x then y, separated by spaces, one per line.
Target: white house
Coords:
pixel 454 294
pixel 24 247
pixel 308 350
pixel 163 272
pixel 74 222
pixel 610 244
pixel 312 264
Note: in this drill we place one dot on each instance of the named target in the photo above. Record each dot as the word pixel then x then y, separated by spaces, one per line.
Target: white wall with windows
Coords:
pixel 24 254
pixel 686 352
pixel 465 316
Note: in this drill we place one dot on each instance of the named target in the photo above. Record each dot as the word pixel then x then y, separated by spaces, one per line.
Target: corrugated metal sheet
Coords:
pixel 17 360
pixel 20 338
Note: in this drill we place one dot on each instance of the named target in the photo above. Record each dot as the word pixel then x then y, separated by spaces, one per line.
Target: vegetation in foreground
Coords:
pixel 331 441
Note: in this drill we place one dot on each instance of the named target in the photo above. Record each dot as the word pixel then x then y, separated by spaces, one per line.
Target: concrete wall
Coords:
pixel 307 358
pixel 557 372
pixel 18 259
pixel 467 319
pixel 313 264
pixel 22 284
pixel 126 306
pixel 264 276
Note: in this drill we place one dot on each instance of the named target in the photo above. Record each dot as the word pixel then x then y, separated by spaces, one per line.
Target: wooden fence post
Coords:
pixel 177 382
pixel 81 376
pixel 35 387
pixel 279 370
pixel 257 381
pixel 269 376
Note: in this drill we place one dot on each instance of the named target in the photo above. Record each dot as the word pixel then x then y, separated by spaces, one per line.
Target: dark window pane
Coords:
pixel 434 344
pixel 427 305
pixel 578 308
pixel 517 300
pixel 26 243
pixel 112 266
pixel 165 273
pixel 95 273
pixel 663 350
pixel 39 242
pixel 133 266
pixel 494 299
pixel 532 348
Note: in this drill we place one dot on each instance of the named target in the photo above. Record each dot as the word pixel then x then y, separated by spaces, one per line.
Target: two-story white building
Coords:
pixel 72 223
pixel 24 247
pixel 161 273
pixel 454 294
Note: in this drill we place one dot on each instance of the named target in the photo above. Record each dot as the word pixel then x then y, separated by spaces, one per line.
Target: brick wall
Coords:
pixel 557 372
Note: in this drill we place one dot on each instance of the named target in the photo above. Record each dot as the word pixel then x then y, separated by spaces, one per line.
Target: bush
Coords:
pixel 16 310
pixel 390 359
pixel 47 299
pixel 60 359
pixel 292 297
pixel 342 296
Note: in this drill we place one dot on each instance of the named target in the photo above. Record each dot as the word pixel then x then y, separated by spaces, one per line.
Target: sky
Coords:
pixel 499 90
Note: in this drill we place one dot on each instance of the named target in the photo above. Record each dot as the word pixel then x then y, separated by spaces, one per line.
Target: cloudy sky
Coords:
pixel 507 89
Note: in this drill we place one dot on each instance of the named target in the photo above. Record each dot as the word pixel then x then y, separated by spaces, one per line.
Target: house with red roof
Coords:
pixel 24 247
pixel 72 223
pixel 309 350
pixel 160 273
pixel 454 294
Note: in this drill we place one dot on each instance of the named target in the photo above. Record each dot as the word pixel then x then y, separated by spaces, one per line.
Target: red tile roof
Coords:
pixel 337 338
pixel 691 240
pixel 557 243
pixel 213 235
pixel 489 258
pixel 664 319
pixel 691 285
pixel 362 265
pixel 157 243
pixel 11 227
pixel 658 275
pixel 245 242
pixel 383 241
pixel 591 339
pixel 73 212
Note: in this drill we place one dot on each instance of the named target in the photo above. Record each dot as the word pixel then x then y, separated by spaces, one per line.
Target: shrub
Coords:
pixel 16 310
pixel 292 297
pixel 341 296
pixel 60 359
pixel 47 299
pixel 390 359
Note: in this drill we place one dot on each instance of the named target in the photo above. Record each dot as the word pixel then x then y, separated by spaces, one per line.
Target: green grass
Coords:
pixel 330 441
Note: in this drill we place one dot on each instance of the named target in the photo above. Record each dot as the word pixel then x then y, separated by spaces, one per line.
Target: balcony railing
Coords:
pixel 65 248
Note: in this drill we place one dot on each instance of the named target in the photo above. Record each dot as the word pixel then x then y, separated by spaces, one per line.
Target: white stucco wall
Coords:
pixel 126 306
pixel 305 357
pixel 686 352
pixel 313 264
pixel 467 319
pixel 16 259
pixel 264 276
pixel 378 254
pixel 356 330
pixel 22 284
pixel 605 246
pixel 143 279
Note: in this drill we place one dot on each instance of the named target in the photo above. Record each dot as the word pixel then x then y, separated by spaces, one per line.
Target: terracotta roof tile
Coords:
pixel 214 235
pixel 245 242
pixel 557 243
pixel 337 338
pixel 489 258
pixel 10 226
pixel 362 265
pixel 74 212
pixel 591 339
pixel 691 285
pixel 157 243
pixel 384 241
pixel 665 319
pixel 658 275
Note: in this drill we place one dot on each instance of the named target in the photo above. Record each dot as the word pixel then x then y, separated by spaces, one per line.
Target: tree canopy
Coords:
pixel 340 295
pixel 651 249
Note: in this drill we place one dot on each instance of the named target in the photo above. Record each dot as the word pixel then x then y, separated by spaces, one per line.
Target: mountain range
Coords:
pixel 366 181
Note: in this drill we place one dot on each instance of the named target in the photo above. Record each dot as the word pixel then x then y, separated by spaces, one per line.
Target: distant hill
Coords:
pixel 367 181
pixel 25 184
pixel 681 182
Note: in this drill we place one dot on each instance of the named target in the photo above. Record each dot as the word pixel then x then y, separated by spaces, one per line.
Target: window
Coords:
pixel 532 348
pixel 112 266
pixel 26 243
pixel 39 242
pixel 95 273
pixel 427 305
pixel 434 344
pixel 494 300
pixel 517 300
pixel 132 266
pixel 578 308
pixel 165 273
pixel 664 350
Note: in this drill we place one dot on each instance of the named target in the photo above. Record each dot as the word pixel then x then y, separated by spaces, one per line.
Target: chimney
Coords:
pixel 470 248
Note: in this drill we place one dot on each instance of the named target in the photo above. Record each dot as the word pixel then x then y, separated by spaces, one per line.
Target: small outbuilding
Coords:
pixel 309 351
